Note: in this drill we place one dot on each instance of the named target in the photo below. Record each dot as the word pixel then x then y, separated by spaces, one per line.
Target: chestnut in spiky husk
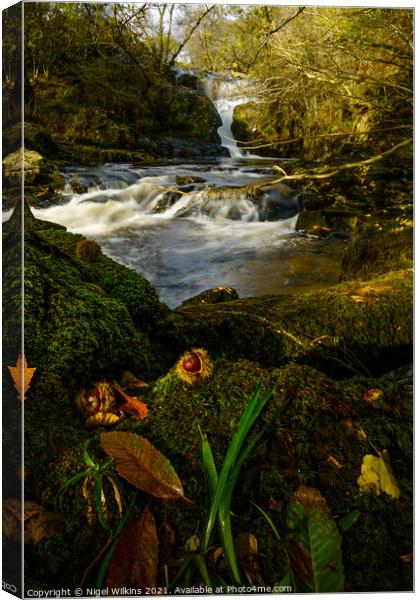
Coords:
pixel 99 405
pixel 194 365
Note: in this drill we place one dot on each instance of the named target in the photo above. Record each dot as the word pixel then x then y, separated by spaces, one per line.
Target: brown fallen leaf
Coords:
pixel 38 523
pixel 136 555
pixel 131 404
pixel 22 376
pixel 407 558
pixel 335 463
pixel 142 465
pixel 372 396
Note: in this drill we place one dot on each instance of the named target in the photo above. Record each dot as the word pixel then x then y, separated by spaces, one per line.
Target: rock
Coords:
pixel 185 180
pixel 312 200
pixel 37 170
pixel 337 329
pixel 178 147
pixel 322 421
pixel 192 115
pixel 213 296
pixel 188 80
pixel 370 255
pixel 36 138
pixel 327 221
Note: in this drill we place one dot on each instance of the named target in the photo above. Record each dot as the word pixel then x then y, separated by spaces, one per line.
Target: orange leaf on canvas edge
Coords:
pixel 16 373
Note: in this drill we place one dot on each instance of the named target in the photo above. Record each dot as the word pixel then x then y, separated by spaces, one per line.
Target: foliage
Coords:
pixel 377 475
pixel 220 488
pixel 315 544
pixel 142 465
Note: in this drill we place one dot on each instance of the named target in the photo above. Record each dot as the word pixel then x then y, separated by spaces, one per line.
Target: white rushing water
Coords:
pixel 198 241
pixel 226 94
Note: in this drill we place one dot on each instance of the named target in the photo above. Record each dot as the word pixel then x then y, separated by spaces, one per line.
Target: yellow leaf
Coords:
pixel 21 373
pixel 377 475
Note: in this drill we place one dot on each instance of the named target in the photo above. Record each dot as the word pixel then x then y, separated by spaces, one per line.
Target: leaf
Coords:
pixel 315 546
pixel 347 521
pixel 142 465
pixel 38 523
pixel 131 404
pixel 377 475
pixel 135 558
pixel 372 396
pixel 18 376
pixel 335 463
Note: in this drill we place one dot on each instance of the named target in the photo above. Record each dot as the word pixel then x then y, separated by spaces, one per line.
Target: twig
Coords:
pixel 319 174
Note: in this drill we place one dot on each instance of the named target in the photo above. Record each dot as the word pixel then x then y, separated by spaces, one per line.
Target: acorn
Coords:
pixel 194 365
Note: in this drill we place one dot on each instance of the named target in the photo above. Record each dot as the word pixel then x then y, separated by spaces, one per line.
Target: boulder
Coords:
pixel 327 221
pixel 36 138
pixel 37 170
pixel 213 296
pixel 192 115
pixel 370 255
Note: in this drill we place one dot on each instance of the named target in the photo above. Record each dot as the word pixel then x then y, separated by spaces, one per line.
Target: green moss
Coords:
pixel 348 328
pixel 371 255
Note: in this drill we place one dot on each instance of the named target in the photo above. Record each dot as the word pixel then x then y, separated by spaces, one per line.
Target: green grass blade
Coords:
pixel 225 524
pixel 209 465
pixel 186 564
pixel 253 409
pixel 268 519
pixel 202 567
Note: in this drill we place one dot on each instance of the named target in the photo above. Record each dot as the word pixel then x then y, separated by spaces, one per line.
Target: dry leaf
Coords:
pixel 19 372
pixel 335 463
pixel 38 523
pixel 407 558
pixel 372 396
pixel 142 465
pixel 167 541
pixel 131 404
pixel 128 380
pixel 135 559
pixel 245 543
pixel 377 475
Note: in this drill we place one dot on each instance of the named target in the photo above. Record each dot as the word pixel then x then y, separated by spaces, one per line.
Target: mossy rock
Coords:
pixel 348 327
pixel 192 115
pixel 323 419
pixel 327 221
pixel 370 255
pixel 36 138
pixel 36 170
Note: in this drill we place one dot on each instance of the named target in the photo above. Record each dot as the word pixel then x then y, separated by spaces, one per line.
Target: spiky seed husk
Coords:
pixel 205 366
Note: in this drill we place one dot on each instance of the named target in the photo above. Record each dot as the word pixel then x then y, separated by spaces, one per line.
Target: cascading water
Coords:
pixel 226 94
pixel 211 234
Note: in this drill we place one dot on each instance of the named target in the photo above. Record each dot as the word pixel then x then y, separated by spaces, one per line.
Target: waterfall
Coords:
pixel 226 94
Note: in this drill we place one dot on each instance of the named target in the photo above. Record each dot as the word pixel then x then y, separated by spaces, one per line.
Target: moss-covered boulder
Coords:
pixel 355 326
pixel 327 221
pixel 36 138
pixel 36 170
pixel 192 115
pixel 371 254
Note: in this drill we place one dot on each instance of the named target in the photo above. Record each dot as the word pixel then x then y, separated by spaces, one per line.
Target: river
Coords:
pixel 210 235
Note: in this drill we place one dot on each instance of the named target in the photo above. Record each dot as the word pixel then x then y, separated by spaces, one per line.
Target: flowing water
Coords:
pixel 210 235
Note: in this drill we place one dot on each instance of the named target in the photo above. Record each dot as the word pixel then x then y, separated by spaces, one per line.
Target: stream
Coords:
pixel 209 235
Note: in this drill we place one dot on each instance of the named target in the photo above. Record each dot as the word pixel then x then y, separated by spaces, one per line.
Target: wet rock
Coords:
pixel 327 221
pixel 185 180
pixel 174 147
